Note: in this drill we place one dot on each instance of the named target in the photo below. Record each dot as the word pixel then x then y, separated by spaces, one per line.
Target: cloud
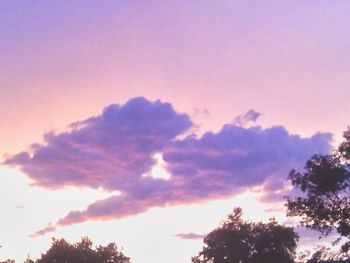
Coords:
pixel 115 150
pixel 190 236
pixel 249 116
pixel 236 157
pixel 313 238
pixel 111 150
pixel 41 232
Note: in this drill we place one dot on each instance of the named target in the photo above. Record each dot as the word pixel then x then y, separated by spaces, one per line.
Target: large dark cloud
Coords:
pixel 238 157
pixel 111 150
pixel 115 150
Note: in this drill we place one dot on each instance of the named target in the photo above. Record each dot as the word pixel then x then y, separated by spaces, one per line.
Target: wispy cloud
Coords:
pixel 190 236
pixel 249 116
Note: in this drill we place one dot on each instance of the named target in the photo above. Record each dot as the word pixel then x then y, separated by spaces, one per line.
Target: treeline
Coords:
pixel 323 205
pixel 61 251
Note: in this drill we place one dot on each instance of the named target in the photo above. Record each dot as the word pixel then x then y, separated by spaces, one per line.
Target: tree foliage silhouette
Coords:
pixel 324 204
pixel 237 241
pixel 82 252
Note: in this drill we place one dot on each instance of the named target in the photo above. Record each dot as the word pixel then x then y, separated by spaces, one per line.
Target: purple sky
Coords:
pixel 225 97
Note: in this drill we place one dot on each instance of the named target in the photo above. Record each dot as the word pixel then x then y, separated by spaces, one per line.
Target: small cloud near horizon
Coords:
pixel 190 236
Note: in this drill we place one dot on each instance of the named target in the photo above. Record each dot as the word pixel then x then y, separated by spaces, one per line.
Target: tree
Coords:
pixel 237 241
pixel 29 260
pixel 324 204
pixel 63 251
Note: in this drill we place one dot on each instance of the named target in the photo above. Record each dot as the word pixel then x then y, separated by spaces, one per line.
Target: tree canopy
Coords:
pixel 237 241
pixel 324 201
pixel 82 251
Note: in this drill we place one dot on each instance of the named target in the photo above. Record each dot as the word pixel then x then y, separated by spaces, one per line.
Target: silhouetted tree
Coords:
pixel 324 204
pixel 82 252
pixel 29 260
pixel 238 241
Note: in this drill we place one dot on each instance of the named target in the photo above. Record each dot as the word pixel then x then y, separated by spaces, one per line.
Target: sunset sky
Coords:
pixel 146 122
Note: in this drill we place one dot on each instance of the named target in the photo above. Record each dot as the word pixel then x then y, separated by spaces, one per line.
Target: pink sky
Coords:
pixel 65 62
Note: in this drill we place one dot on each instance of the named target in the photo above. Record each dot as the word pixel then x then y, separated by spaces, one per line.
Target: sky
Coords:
pixel 146 122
